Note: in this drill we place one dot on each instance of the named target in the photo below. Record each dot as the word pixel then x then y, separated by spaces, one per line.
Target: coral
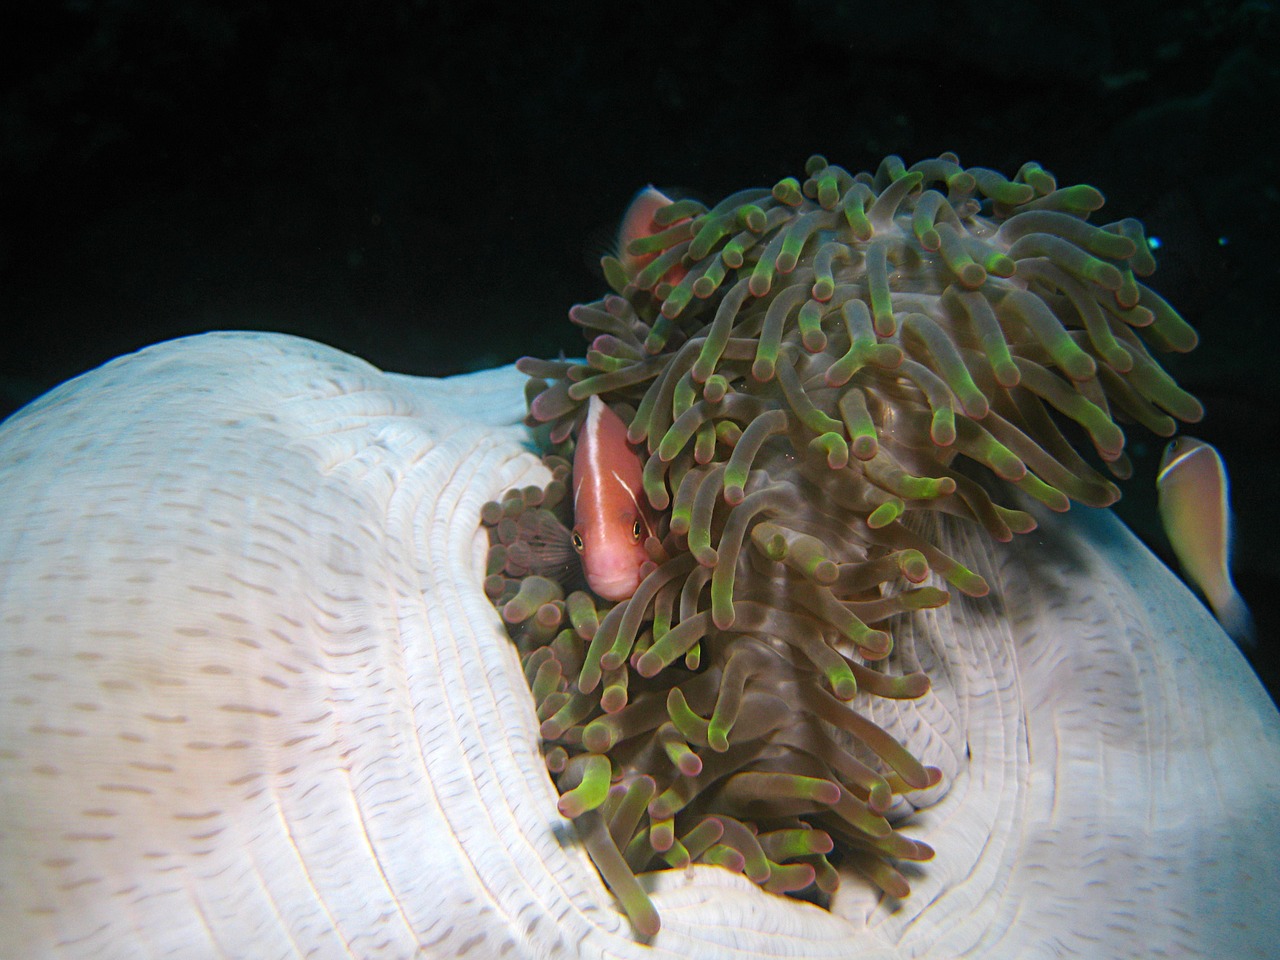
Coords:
pixel 808 369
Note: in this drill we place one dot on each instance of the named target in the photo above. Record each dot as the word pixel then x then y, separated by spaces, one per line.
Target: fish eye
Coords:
pixel 636 531
pixel 577 541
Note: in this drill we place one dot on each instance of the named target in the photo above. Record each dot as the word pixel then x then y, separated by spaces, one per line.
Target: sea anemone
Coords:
pixel 808 371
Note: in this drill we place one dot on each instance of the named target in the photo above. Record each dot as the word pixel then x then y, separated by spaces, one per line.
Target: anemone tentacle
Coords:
pixel 814 371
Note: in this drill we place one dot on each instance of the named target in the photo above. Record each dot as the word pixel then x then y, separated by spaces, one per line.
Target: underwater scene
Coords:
pixel 798 357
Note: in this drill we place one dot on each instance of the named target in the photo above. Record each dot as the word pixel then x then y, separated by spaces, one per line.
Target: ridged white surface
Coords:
pixel 253 703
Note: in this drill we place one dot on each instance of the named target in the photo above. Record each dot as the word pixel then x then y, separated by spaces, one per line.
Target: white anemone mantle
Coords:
pixel 253 703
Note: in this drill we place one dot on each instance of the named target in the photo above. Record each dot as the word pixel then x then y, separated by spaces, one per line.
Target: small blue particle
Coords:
pixel 1222 241
pixel 1154 243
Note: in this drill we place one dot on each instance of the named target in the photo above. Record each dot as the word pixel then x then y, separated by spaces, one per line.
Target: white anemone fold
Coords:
pixel 255 703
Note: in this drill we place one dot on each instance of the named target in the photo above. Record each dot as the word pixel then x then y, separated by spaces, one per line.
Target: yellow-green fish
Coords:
pixel 1194 508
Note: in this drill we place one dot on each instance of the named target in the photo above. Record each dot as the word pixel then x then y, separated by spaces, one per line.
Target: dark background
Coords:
pixel 430 185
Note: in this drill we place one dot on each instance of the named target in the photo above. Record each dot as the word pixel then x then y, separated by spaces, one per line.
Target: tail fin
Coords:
pixel 1237 621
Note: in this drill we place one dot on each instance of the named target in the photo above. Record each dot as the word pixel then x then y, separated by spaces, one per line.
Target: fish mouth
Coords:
pixel 613 586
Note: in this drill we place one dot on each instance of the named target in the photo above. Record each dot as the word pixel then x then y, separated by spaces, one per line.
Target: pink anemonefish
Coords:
pixel 638 223
pixel 1194 508
pixel 612 518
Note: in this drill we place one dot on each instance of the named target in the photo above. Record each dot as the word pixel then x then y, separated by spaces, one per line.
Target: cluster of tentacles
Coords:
pixel 807 367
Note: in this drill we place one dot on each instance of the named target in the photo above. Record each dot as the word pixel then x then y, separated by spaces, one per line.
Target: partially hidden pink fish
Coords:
pixel 637 223
pixel 611 516
pixel 1196 514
